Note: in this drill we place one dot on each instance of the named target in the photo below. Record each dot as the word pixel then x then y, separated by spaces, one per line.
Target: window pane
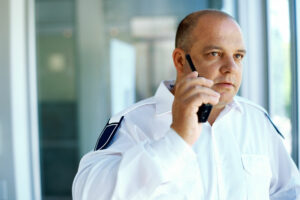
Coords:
pixel 280 68
pixel 57 98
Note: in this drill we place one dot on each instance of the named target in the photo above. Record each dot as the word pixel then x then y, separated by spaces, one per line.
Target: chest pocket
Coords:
pixel 258 176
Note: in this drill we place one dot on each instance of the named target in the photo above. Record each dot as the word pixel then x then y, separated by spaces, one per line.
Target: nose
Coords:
pixel 228 64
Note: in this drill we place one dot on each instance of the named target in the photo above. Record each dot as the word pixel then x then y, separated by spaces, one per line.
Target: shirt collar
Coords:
pixel 236 104
pixel 164 98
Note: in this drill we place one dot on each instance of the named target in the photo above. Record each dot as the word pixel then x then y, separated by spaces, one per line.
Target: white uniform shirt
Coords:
pixel 240 157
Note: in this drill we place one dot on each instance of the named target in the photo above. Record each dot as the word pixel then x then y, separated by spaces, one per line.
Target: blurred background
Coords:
pixel 66 66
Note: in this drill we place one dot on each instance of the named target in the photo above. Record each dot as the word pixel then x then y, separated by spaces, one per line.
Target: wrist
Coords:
pixel 188 138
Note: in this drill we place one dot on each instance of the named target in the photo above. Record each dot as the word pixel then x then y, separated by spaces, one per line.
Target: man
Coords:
pixel 156 149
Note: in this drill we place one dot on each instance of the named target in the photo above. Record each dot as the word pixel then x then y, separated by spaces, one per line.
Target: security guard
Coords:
pixel 157 149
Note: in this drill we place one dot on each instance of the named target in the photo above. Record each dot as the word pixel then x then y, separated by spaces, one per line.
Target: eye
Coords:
pixel 214 53
pixel 239 56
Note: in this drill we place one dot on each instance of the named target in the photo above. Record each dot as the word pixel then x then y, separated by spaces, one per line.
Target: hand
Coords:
pixel 190 93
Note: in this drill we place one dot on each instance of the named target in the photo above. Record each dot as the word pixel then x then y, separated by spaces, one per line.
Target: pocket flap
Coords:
pixel 257 164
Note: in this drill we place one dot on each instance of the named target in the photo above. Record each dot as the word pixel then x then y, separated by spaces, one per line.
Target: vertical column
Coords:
pixel 253 23
pixel 7 182
pixel 33 97
pixel 22 102
pixel 295 24
pixel 19 100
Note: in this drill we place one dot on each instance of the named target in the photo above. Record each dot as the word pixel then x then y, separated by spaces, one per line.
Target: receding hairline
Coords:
pixel 186 26
pixel 213 12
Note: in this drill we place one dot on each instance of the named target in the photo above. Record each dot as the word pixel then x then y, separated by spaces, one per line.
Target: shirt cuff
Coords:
pixel 182 147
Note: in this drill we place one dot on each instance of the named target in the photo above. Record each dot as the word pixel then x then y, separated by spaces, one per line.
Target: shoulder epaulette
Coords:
pixel 275 127
pixel 114 122
pixel 107 134
pixel 244 100
pixel 247 101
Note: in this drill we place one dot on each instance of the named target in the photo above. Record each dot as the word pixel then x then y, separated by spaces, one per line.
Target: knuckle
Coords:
pixel 178 85
pixel 196 87
pixel 202 79
pixel 200 96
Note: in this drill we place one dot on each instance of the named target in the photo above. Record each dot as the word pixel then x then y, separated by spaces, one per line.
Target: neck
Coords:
pixel 216 110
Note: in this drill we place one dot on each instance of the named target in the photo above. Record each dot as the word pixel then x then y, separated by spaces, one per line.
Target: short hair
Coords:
pixel 186 26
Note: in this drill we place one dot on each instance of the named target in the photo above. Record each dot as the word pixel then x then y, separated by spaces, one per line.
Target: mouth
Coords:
pixel 225 84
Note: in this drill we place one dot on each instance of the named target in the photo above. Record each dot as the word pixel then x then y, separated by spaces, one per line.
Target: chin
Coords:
pixel 225 99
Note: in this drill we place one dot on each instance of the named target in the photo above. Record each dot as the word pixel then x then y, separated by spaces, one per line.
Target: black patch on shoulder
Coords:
pixel 107 135
pixel 277 130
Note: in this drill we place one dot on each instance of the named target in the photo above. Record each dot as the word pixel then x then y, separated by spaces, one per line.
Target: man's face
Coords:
pixel 217 52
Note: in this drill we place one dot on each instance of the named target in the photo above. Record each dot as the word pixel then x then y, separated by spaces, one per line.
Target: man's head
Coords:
pixel 214 41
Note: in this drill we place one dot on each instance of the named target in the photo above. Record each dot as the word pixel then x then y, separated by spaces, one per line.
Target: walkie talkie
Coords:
pixel 204 109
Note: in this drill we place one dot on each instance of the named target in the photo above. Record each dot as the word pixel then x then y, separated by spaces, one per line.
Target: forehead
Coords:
pixel 220 31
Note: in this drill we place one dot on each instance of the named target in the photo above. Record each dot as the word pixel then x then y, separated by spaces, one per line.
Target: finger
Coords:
pixel 201 98
pixel 191 75
pixel 194 84
pixel 198 89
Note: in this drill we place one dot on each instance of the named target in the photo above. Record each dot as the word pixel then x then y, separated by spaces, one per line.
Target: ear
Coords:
pixel 179 60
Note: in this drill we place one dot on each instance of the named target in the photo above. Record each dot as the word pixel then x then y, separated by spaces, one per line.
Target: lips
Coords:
pixel 225 84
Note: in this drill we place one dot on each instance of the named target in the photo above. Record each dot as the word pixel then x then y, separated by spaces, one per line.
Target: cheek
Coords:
pixel 239 76
pixel 208 70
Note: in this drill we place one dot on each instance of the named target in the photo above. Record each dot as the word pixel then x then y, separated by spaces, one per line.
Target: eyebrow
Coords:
pixel 211 47
pixel 207 48
pixel 242 51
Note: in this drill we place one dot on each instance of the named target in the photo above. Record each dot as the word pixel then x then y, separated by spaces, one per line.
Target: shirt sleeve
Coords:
pixel 285 183
pixel 130 170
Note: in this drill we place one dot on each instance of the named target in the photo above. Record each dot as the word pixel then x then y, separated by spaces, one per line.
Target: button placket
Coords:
pixel 229 167
pixel 217 160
